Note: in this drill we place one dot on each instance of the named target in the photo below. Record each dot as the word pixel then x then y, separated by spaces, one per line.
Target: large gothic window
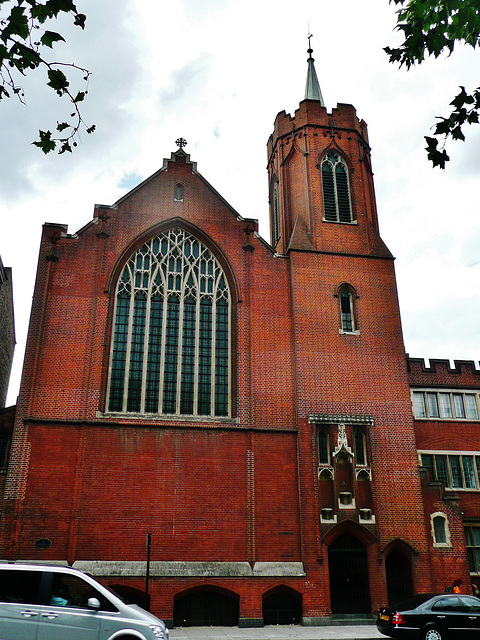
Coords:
pixel 336 189
pixel 171 333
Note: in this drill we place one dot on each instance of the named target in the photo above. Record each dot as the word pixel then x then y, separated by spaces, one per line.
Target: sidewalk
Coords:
pixel 291 632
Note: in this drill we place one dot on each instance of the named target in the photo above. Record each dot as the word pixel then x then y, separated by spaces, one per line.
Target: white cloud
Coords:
pixel 217 72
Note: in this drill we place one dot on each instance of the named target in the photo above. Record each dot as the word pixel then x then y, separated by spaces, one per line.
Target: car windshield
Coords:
pixel 115 593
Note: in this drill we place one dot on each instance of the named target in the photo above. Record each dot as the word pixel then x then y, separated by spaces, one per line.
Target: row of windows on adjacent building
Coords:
pixel 337 202
pixel 171 342
pixel 445 405
pixel 455 470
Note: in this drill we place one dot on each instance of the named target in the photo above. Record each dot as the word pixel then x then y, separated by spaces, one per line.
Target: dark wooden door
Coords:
pixel 348 569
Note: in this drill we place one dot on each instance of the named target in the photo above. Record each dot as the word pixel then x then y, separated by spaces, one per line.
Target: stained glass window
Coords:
pixel 171 335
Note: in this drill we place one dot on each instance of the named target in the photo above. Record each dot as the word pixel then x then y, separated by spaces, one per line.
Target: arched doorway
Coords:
pixel 282 606
pixel 205 608
pixel 399 577
pixel 348 569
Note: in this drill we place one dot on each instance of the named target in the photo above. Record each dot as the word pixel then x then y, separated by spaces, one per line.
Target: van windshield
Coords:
pixel 130 595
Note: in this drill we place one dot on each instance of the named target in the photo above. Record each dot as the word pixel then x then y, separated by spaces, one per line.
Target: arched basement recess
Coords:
pixel 206 608
pixel 282 606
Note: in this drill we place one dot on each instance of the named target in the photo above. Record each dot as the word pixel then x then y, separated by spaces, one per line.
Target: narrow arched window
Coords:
pixel 360 448
pixel 336 189
pixel 440 531
pixel 179 192
pixel 275 214
pixel 170 349
pixel 323 448
pixel 347 297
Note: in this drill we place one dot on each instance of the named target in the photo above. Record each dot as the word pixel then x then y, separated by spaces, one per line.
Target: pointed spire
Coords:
pixel 312 86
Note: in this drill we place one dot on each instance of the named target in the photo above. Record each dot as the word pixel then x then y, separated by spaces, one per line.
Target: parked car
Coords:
pixel 54 603
pixel 430 616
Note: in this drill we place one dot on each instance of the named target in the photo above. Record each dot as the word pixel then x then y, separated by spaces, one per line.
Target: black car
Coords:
pixel 430 616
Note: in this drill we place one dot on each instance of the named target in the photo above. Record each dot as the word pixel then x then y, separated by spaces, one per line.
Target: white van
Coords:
pixel 58 603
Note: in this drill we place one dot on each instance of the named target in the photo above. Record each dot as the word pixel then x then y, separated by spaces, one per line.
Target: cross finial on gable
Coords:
pixel 181 142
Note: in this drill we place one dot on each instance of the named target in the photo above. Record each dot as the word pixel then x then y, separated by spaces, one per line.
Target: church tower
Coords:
pixel 321 179
pixel 352 394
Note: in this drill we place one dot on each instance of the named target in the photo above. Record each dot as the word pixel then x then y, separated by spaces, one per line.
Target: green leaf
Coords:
pixel 16 25
pixel 457 134
pixel 80 96
pixel 23 57
pixel 472 117
pixel 80 19
pixel 437 158
pixel 65 5
pixel 443 127
pixel 58 81
pixel 45 142
pixel 49 37
pixel 460 99
pixel 65 147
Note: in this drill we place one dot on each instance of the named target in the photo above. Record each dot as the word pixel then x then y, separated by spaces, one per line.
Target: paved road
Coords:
pixel 293 632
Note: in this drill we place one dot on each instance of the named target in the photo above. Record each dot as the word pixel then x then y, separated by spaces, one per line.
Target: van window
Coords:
pixel 20 586
pixel 72 591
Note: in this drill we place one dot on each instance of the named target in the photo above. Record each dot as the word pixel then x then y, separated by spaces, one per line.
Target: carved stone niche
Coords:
pixel 346 500
pixel 327 516
pixel 366 516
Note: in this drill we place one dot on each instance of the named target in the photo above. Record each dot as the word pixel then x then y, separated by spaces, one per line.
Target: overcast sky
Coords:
pixel 217 72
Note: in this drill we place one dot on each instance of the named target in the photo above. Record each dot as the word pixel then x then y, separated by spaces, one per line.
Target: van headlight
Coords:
pixel 159 632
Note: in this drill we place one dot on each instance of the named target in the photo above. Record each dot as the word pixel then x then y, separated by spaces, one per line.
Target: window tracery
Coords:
pixel 171 332
pixel 336 189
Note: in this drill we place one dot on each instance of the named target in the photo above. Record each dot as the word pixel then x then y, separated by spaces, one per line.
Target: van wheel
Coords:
pixel 432 634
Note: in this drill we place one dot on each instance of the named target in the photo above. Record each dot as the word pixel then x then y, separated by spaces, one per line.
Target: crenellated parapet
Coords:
pixel 315 115
pixel 440 373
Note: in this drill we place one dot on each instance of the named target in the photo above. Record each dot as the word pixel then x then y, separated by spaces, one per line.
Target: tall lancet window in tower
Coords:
pixel 276 214
pixel 336 189
pixel 170 350
pixel 348 322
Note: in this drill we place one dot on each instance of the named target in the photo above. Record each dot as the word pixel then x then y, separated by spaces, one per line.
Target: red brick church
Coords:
pixel 248 404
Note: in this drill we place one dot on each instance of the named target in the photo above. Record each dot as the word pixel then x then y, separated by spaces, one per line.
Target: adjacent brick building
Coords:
pixel 7 330
pixel 247 404
pixel 7 347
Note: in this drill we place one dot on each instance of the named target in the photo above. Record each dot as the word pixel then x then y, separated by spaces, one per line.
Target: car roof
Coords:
pixel 35 566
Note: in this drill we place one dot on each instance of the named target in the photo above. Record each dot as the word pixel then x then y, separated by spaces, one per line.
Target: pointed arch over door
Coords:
pixel 171 336
pixel 348 571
